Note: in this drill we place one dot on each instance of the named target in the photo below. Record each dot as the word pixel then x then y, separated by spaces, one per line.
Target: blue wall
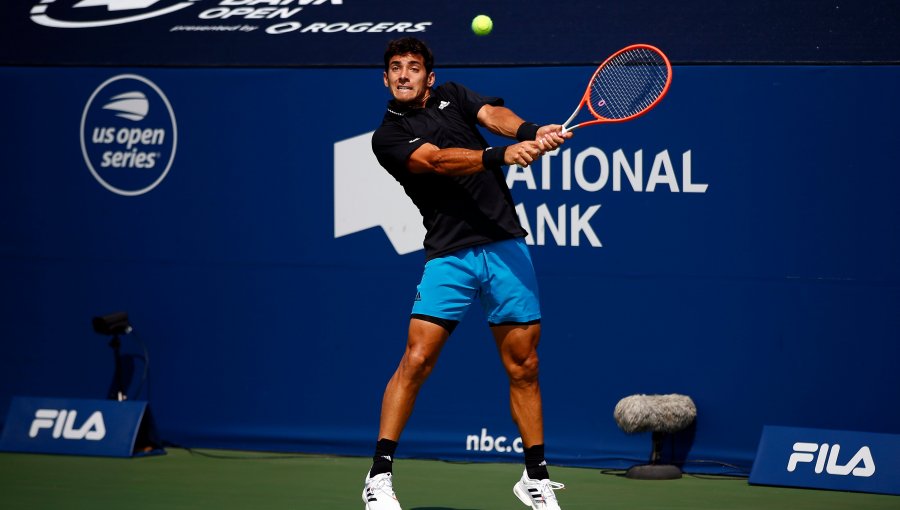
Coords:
pixel 765 285
pixel 526 32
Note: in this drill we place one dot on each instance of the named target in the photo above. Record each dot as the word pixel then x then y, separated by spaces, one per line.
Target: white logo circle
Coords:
pixel 127 140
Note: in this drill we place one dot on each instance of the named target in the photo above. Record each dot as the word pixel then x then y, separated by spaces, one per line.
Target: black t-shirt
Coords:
pixel 458 211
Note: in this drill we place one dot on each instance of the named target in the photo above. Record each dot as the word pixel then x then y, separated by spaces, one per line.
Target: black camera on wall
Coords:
pixel 113 324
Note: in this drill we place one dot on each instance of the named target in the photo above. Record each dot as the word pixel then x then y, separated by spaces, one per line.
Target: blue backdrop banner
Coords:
pixel 738 244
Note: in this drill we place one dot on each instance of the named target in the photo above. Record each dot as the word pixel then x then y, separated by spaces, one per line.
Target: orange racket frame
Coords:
pixel 586 98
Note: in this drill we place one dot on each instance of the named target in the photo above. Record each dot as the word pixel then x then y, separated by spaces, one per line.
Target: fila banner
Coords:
pixel 78 427
pixel 828 459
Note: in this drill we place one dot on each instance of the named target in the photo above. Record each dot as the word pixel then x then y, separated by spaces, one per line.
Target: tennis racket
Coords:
pixel 625 86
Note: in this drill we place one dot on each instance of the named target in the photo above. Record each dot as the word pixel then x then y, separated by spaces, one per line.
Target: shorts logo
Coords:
pixel 128 135
pixel 101 13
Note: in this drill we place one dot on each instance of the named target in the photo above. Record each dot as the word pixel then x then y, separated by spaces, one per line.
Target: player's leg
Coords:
pixel 517 345
pixel 446 291
pixel 443 296
pixel 423 346
pixel 426 339
pixel 510 298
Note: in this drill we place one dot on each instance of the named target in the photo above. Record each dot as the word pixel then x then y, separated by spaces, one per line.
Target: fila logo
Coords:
pixel 828 461
pixel 443 105
pixel 62 422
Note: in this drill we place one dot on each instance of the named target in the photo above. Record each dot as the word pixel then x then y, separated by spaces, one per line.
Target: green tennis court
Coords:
pixel 244 480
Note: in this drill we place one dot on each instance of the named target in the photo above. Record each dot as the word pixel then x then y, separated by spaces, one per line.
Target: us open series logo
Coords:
pixel 128 135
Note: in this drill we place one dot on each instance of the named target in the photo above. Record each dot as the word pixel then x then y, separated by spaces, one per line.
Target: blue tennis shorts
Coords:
pixel 499 274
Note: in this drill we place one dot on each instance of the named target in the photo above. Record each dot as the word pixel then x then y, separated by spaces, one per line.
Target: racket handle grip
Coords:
pixel 566 129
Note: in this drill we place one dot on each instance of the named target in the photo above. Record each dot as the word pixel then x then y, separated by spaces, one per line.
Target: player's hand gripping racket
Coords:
pixel 625 86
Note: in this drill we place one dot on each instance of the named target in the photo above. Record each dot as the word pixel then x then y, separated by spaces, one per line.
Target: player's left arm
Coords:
pixel 502 121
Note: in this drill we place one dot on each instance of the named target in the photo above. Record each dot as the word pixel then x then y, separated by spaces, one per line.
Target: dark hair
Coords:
pixel 406 45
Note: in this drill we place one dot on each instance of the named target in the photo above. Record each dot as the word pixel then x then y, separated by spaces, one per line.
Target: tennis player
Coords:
pixel 429 141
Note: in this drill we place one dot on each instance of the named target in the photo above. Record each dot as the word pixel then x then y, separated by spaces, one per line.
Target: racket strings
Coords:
pixel 631 89
pixel 628 84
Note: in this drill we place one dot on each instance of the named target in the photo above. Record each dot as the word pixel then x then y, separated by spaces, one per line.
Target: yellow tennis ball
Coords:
pixel 482 25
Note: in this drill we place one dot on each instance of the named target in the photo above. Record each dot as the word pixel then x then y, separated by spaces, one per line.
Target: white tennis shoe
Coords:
pixel 378 494
pixel 538 494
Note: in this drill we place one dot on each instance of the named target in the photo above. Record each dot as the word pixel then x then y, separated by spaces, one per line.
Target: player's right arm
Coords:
pixel 429 158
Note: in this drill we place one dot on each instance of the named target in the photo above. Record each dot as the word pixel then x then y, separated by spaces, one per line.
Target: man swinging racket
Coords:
pixel 429 141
